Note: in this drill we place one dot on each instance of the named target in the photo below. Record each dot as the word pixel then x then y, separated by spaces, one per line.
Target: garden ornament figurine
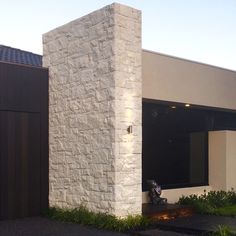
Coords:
pixel 155 193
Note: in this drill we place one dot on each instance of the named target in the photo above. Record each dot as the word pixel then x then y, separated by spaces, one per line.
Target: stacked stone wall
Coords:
pixel 94 95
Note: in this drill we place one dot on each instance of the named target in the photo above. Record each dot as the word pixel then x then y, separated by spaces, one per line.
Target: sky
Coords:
pixel 199 30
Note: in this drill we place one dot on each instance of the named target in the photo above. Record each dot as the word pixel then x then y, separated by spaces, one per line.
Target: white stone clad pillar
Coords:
pixel 94 95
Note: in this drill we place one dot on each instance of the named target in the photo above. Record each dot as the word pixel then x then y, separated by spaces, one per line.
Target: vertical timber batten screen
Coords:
pixel 23 140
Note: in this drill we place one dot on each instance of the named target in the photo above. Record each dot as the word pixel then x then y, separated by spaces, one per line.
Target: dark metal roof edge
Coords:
pixel 25 65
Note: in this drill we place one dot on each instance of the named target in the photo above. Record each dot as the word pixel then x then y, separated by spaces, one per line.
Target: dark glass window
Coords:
pixel 175 142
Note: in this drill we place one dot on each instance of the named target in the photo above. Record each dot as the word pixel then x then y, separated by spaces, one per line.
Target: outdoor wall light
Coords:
pixel 130 129
pixel 187 105
pixel 173 107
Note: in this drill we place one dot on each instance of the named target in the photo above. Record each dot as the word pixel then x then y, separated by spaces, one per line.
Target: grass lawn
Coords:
pixel 225 211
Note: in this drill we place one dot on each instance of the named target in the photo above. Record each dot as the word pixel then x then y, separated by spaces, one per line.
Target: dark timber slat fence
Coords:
pixel 23 140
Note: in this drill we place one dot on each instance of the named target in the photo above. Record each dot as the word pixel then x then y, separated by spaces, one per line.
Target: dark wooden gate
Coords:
pixel 23 140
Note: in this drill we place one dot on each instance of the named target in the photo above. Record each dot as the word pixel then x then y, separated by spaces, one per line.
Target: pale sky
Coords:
pixel 199 30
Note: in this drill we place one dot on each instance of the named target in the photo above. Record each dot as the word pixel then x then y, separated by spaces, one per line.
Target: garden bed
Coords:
pixel 220 203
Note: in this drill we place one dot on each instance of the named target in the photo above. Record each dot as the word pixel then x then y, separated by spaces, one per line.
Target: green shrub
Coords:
pixel 221 198
pixel 199 204
pixel 209 202
pixel 83 216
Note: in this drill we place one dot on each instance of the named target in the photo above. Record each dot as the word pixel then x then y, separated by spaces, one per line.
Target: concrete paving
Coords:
pixel 157 232
pixel 199 223
pixel 39 226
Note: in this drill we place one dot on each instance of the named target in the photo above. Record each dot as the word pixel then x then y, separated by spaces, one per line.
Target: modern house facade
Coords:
pixel 210 93
pixel 119 115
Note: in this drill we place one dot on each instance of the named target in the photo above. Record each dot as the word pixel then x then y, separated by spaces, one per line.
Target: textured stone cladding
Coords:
pixel 94 95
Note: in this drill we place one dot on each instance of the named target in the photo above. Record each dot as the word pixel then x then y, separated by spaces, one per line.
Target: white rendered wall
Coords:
pixel 174 79
pixel 173 195
pixel 94 95
pixel 222 160
pixel 231 160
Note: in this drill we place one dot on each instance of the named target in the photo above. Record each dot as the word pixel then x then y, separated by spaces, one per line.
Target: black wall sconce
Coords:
pixel 130 129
